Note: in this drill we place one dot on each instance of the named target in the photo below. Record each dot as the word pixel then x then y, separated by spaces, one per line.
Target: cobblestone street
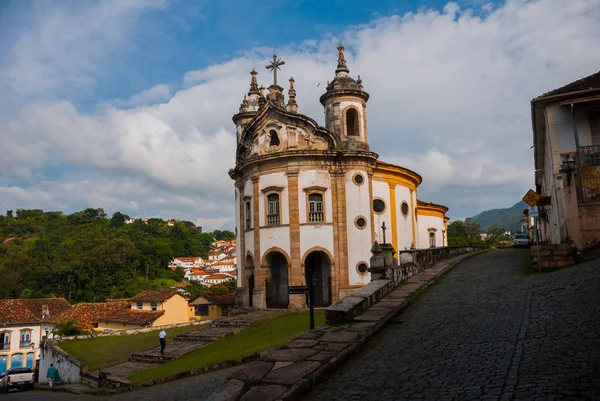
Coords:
pixel 486 331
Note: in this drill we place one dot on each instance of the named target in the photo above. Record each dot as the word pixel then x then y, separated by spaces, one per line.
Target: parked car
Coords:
pixel 522 240
pixel 19 378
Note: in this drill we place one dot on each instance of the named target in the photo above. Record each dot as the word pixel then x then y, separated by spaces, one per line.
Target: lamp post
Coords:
pixel 568 165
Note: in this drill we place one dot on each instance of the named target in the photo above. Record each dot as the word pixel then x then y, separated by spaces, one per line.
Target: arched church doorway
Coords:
pixel 249 274
pixel 317 267
pixel 277 284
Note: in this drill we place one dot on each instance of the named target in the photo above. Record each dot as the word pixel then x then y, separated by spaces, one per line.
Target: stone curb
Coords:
pixel 287 373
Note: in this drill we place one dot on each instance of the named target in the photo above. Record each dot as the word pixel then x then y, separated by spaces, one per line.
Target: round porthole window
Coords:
pixel 378 206
pixel 404 208
pixel 358 179
pixel 362 268
pixel 360 222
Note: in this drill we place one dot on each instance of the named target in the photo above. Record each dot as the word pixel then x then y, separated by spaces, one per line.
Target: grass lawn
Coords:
pixel 102 352
pixel 269 334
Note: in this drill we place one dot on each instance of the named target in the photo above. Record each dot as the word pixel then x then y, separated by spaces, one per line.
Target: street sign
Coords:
pixel 534 212
pixel 531 197
pixel 298 289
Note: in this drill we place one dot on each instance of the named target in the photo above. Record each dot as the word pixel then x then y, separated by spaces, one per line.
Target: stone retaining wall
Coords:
pixel 386 273
pixel 69 368
pixel 552 256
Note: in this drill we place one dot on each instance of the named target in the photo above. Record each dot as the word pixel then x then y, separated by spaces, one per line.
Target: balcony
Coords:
pixel 590 155
pixel 316 217
pixel 4 346
pixel 24 344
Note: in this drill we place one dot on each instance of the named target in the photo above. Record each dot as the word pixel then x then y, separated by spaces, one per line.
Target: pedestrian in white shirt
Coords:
pixel 163 342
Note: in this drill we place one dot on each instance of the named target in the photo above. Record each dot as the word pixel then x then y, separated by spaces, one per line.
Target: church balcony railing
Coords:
pixel 316 217
pixel 273 219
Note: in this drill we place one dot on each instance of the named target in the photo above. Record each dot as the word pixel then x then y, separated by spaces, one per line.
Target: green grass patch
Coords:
pixel 266 335
pixel 102 352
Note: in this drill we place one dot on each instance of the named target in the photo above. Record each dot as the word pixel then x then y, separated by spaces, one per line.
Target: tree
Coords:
pixel 464 233
pixel 224 235
pixel 67 328
pixel 118 219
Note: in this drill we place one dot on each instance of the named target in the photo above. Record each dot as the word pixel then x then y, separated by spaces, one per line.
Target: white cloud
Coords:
pixel 450 96
pixel 63 47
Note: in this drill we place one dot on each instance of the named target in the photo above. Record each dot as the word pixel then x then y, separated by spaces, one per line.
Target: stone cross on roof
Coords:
pixel 274 65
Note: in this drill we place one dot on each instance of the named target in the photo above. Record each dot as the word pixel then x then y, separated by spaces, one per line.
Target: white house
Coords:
pixel 20 335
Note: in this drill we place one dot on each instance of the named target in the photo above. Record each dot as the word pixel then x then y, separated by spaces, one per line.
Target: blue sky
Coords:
pixel 127 104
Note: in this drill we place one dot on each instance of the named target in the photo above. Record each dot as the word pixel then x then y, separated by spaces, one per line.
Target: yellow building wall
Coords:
pixel 176 311
pixel 214 312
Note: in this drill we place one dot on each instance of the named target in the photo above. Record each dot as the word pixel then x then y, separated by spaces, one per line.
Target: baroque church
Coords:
pixel 312 199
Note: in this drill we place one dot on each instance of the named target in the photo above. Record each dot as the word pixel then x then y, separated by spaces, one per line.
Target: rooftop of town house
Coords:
pixel 53 306
pixel 133 316
pixel 14 311
pixel 86 315
pixel 154 295
pixel 215 299
pixel 590 82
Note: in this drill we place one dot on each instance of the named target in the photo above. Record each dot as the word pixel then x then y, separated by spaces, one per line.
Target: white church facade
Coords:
pixel 312 198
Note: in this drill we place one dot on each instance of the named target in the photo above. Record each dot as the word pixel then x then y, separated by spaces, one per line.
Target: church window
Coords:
pixel 358 179
pixel 362 268
pixel 273 138
pixel 378 206
pixel 404 209
pixel 352 122
pixel 432 240
pixel 273 209
pixel 360 222
pixel 248 215
pixel 315 208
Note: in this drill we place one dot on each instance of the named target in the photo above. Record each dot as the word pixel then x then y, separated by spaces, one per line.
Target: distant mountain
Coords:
pixel 506 218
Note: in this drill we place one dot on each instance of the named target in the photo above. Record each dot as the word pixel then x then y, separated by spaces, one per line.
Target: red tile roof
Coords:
pixel 154 295
pixel 217 276
pixel 220 299
pixel 189 259
pixel 132 316
pixel 88 315
pixel 55 306
pixel 14 311
pixel 197 271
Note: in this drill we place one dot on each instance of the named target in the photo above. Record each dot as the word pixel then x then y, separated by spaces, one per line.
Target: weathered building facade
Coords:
pixel 566 138
pixel 312 199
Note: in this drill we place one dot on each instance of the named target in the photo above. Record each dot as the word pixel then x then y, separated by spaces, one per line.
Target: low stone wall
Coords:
pixel 387 275
pixel 128 331
pixel 552 256
pixel 69 368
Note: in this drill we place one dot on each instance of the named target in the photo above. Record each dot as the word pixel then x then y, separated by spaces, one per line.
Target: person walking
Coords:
pixel 52 374
pixel 163 343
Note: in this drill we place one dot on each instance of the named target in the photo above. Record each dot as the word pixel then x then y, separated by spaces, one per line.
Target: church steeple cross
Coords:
pixel 274 65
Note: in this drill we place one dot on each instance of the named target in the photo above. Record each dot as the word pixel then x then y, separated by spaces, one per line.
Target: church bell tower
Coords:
pixel 345 104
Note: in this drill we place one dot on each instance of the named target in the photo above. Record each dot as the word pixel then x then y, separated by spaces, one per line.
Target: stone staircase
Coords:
pixel 205 335
pixel 235 323
pixel 90 379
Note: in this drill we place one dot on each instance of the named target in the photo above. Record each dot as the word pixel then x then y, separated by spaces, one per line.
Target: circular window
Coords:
pixel 404 208
pixel 378 206
pixel 358 179
pixel 362 268
pixel 360 222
